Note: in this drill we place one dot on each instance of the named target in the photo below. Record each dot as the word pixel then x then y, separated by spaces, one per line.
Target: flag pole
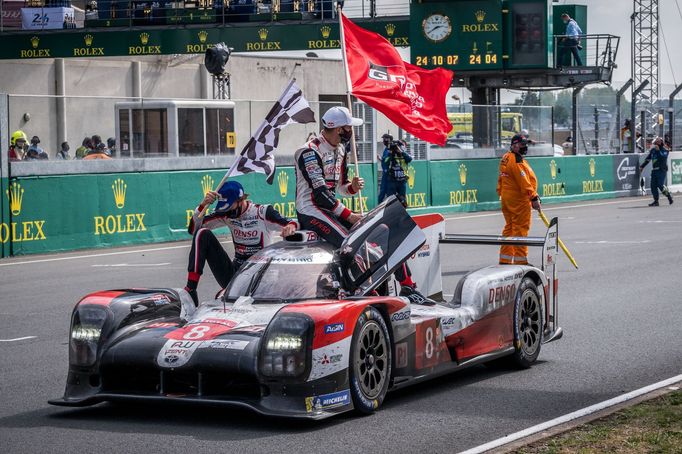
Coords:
pixel 349 86
pixel 241 154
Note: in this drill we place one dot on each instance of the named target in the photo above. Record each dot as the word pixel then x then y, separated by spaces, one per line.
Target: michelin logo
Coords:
pixel 333 400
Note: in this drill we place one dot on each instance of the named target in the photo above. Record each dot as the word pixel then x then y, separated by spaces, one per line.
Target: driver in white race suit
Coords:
pixel 252 227
pixel 321 172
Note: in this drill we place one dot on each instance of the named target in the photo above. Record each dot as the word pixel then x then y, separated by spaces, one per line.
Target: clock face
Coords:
pixel 437 27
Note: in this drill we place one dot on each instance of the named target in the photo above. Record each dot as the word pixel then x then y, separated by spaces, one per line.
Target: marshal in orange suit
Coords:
pixel 517 187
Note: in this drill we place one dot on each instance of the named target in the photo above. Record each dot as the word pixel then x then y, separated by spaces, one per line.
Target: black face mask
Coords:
pixel 345 135
pixel 234 214
pixel 523 149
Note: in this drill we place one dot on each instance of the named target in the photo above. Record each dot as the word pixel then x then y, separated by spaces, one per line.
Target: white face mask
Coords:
pixel 566 22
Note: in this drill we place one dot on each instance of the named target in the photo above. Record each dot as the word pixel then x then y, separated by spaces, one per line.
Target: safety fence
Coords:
pixel 59 213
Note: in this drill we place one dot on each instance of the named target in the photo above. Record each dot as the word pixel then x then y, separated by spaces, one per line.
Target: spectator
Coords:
pixel 17 145
pixel 111 146
pixel 34 152
pixel 99 153
pixel 63 153
pixel 396 163
pixel 625 136
pixel 570 42
pixel 84 149
pixel 387 139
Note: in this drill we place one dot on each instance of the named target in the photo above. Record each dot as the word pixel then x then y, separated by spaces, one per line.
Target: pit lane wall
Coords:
pixel 68 212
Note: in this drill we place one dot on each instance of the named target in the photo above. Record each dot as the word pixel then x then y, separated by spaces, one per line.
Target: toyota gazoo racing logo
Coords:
pixel 382 74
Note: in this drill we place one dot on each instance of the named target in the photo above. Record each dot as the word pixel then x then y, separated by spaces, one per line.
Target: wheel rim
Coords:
pixel 529 322
pixel 370 361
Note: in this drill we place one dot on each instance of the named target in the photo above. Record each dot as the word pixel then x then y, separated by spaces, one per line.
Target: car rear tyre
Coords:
pixel 528 324
pixel 370 361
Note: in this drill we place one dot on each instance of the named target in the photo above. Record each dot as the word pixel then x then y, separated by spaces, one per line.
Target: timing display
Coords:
pixel 457 35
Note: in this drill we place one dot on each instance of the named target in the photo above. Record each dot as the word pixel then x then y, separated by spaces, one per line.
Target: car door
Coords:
pixel 377 245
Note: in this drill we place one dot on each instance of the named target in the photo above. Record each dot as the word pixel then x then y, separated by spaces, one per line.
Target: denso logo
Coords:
pixel 398 316
pixel 245 233
pixel 504 294
pixel 334 328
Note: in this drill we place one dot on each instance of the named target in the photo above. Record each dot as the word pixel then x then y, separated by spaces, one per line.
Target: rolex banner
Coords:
pixel 411 97
pixel 45 18
pixel 258 154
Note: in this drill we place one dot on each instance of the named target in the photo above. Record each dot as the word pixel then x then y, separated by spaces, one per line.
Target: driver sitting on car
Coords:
pixel 250 224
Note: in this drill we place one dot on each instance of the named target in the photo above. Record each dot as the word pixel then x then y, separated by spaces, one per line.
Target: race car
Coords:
pixel 304 330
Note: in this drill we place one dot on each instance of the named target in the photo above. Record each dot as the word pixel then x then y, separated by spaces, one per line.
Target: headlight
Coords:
pixel 286 346
pixel 86 330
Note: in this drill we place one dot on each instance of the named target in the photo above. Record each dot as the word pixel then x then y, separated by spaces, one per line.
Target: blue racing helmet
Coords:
pixel 230 192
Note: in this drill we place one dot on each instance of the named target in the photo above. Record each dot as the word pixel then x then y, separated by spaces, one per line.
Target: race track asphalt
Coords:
pixel 621 312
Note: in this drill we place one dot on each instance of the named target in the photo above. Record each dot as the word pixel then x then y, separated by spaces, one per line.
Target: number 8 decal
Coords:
pixel 429 343
pixel 196 333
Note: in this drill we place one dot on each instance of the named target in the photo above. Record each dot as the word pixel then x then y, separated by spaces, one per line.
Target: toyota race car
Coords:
pixel 301 330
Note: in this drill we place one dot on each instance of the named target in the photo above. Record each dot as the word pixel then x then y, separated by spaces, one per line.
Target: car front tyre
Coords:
pixel 370 361
pixel 528 324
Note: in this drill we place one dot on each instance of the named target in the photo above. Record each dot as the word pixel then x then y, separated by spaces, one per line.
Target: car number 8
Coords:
pixel 429 342
pixel 196 333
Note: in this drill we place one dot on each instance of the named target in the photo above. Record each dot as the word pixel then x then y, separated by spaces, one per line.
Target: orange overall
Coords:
pixel 517 187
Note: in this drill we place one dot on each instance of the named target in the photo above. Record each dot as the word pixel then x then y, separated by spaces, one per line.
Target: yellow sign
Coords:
pixel 19 231
pixel 119 188
pixel 463 174
pixel 283 182
pixel 207 184
pixel 552 169
pixel 144 49
pixel 120 223
pixel 34 51
pixel 411 174
pixel 15 194
pixel 230 139
pixel 593 167
pixel 88 50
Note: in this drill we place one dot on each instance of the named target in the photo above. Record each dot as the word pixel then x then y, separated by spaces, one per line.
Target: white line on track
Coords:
pixel 117 265
pixel 18 339
pixel 572 416
pixel 613 242
pixel 103 254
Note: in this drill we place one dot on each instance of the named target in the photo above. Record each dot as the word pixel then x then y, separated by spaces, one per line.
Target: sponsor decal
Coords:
pixel 502 295
pixel 162 325
pixel 283 183
pixel 676 167
pixel 326 401
pixel 334 328
pixel 333 359
pixel 591 186
pixel 88 50
pixel 35 51
pixel 225 344
pixel 403 314
pixel 325 42
pixel 263 44
pixel 23 231
pixel 416 200
pixel 480 25
pixel 202 46
pixel 176 353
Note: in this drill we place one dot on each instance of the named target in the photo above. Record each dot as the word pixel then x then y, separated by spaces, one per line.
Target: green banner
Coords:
pixel 418 192
pixel 676 168
pixel 129 208
pixel 165 40
pixel 562 179
pixel 466 185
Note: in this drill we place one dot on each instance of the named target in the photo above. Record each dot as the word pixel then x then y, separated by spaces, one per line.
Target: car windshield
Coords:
pixel 286 274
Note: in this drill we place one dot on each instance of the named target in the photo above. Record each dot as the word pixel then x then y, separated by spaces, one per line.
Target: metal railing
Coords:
pixel 135 13
pixel 588 50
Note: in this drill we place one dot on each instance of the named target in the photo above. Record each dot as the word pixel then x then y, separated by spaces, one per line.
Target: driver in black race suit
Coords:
pixel 252 226
pixel 320 172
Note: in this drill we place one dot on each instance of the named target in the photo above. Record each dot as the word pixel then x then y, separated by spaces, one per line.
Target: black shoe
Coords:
pixel 670 199
pixel 193 294
pixel 415 297
pixel 654 203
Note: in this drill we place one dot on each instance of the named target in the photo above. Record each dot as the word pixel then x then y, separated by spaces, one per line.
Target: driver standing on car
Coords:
pixel 320 172
pixel 517 187
pixel 250 224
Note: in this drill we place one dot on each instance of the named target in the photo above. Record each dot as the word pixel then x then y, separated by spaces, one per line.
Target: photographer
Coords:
pixel 396 162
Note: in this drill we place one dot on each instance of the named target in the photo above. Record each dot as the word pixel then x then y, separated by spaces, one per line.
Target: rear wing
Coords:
pixel 549 244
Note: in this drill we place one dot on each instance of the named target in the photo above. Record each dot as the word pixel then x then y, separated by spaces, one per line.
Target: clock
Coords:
pixel 436 27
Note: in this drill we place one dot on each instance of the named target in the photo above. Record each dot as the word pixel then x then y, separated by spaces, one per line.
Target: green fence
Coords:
pixel 58 213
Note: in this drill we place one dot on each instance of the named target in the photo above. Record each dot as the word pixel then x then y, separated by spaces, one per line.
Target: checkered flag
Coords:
pixel 258 154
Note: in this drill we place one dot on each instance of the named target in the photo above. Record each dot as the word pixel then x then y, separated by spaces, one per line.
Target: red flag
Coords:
pixel 412 97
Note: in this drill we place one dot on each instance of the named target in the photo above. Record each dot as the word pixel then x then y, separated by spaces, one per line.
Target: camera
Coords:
pixel 395 147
